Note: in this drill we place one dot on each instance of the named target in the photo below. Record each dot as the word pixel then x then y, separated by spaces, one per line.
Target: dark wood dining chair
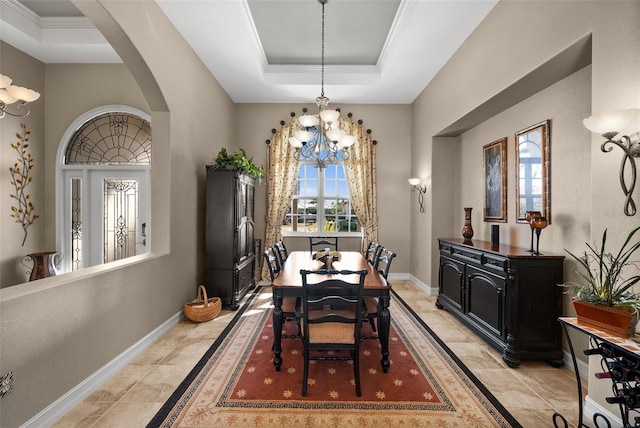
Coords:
pixel 372 252
pixel 321 242
pixel 331 318
pixel 281 252
pixel 382 265
pixel 272 261
pixel 290 305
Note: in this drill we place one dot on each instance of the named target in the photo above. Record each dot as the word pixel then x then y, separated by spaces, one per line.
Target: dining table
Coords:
pixel 288 283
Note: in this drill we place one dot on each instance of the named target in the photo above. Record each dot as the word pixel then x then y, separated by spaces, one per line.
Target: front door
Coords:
pixel 108 218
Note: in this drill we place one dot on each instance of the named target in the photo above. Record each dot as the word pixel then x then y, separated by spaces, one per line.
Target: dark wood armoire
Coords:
pixel 229 246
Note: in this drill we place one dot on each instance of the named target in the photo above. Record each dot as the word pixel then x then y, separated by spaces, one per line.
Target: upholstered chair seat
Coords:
pixel 332 332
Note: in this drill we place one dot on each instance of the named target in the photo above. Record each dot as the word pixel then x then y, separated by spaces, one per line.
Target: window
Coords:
pixel 104 188
pixel 321 187
pixel 530 176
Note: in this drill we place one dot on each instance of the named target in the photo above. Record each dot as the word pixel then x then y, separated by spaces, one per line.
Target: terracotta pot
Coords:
pixel 621 322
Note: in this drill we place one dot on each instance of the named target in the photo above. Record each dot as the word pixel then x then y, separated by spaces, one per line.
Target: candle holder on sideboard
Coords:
pixel 538 223
pixel 529 215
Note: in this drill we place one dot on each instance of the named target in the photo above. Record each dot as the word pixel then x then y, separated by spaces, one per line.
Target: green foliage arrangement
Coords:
pixel 21 177
pixel 604 283
pixel 238 161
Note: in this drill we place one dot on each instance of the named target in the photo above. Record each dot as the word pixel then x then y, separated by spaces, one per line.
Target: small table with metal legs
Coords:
pixel 620 361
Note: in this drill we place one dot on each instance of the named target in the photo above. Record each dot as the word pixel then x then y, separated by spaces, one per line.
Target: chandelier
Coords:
pixel 10 94
pixel 321 140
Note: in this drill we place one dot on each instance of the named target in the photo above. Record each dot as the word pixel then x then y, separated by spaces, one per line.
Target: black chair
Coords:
pixel 281 252
pixel 322 242
pixel 331 318
pixel 382 265
pixel 372 252
pixel 272 261
pixel 290 305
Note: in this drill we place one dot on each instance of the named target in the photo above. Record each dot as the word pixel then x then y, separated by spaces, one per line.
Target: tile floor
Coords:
pixel 532 392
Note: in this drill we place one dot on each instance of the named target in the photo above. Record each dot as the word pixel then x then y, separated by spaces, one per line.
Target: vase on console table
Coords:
pixel 467 230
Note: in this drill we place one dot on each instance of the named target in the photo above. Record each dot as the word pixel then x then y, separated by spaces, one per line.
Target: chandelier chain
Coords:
pixel 321 140
pixel 322 55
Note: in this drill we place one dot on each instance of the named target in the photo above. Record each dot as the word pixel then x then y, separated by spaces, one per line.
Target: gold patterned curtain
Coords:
pixel 282 174
pixel 360 170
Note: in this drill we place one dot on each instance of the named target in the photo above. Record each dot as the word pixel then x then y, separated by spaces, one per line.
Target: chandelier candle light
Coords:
pixel 10 94
pixel 321 139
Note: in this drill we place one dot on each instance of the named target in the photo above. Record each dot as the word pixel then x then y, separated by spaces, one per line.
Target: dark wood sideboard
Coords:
pixel 508 296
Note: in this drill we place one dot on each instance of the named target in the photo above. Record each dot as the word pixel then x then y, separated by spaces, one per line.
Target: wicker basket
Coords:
pixel 203 309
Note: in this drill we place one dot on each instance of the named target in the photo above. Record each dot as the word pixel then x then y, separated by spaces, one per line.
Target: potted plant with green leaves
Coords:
pixel 238 161
pixel 605 296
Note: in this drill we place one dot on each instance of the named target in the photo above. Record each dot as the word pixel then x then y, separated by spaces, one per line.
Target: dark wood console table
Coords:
pixel 507 295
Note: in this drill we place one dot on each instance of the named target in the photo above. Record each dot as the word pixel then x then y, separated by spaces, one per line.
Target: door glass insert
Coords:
pixel 76 224
pixel 120 218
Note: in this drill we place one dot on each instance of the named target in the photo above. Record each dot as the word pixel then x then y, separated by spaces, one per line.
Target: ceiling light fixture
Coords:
pixel 10 94
pixel 321 140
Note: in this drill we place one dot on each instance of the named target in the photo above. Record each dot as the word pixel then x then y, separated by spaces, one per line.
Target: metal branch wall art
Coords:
pixel 21 177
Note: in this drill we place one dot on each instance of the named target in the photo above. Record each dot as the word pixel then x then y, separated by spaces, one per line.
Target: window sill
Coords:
pixel 338 234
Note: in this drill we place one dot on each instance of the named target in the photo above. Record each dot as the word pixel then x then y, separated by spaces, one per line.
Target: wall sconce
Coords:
pixel 10 94
pixel 415 185
pixel 609 125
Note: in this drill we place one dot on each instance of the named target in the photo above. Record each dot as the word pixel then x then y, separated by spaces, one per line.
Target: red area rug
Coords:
pixel 236 385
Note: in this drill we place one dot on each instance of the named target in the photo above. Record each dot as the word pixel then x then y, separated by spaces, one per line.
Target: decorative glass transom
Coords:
pixel 113 139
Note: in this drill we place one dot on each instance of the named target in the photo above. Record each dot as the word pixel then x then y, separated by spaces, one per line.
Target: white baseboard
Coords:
pixel 591 408
pixel 75 396
pixel 583 367
pixel 431 291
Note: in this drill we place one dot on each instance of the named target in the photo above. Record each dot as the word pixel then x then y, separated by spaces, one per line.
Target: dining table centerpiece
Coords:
pixel 327 257
pixel 605 296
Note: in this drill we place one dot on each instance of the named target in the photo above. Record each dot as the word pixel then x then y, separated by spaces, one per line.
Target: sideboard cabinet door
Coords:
pixel 485 301
pixel 452 283
pixel 507 295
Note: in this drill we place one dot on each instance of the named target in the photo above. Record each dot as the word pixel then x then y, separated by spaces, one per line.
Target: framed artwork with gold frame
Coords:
pixel 495 181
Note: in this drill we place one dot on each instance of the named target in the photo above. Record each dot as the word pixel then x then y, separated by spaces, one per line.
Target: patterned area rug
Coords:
pixel 235 383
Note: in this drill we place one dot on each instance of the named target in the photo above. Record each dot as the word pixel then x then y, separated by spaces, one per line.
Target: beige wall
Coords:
pixel 390 127
pixel 565 103
pixel 74 89
pixel 499 56
pixel 25 71
pixel 499 66
pixel 58 331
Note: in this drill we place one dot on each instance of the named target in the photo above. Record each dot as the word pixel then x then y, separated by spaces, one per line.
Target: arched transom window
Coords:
pixel 111 139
